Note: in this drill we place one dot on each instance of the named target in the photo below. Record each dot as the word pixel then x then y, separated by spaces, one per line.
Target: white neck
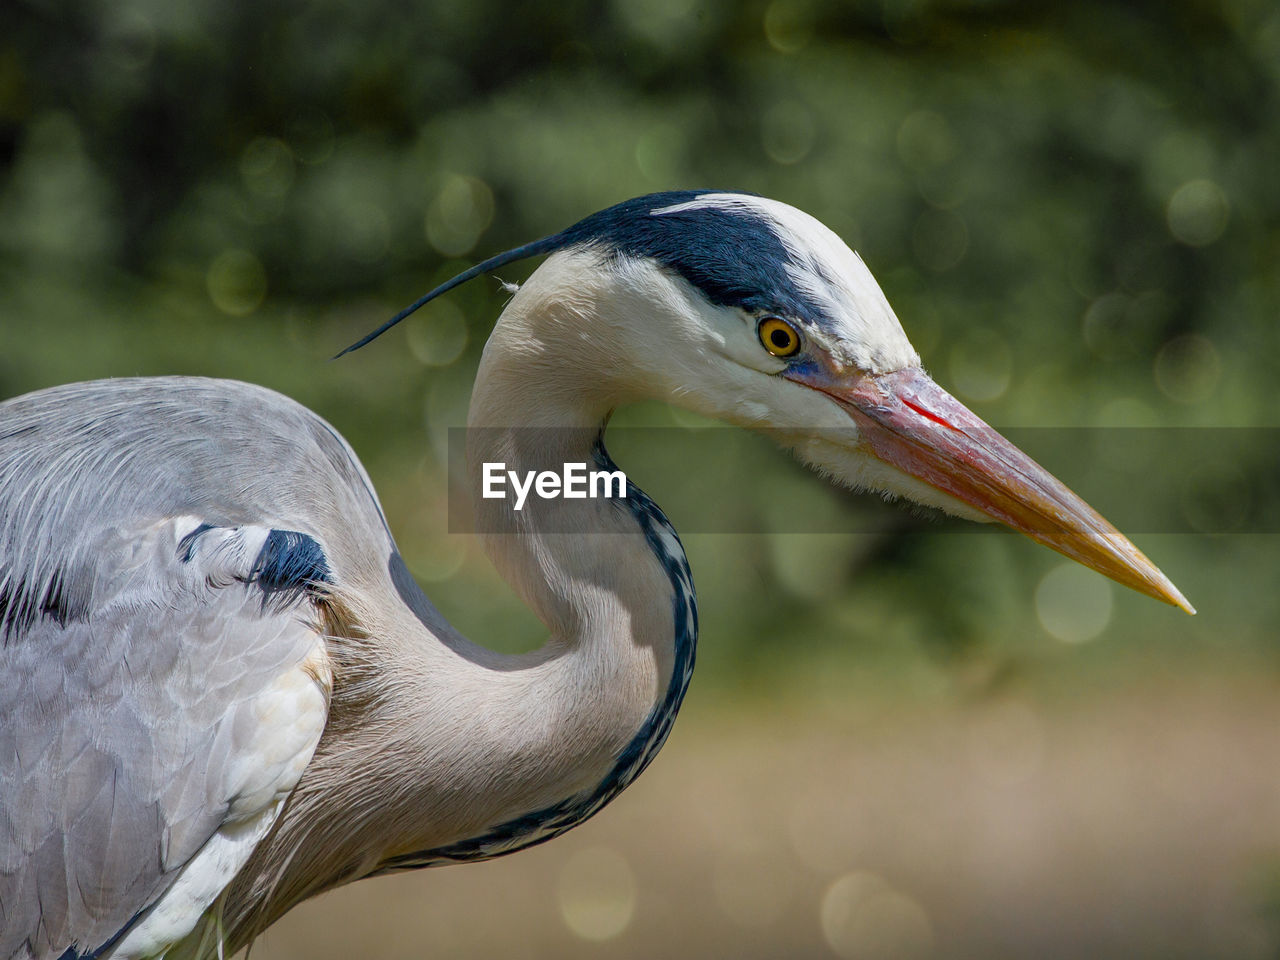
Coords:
pixel 482 753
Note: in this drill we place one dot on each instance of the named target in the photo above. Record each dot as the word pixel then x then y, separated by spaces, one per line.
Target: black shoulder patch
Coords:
pixel 290 560
pixel 23 603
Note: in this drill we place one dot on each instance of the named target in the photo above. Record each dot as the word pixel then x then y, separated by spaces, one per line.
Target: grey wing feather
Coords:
pixel 154 579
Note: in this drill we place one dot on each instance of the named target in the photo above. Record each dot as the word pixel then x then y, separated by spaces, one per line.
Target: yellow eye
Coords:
pixel 778 337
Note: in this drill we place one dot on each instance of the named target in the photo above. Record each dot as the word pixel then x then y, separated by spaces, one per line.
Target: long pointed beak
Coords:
pixel 911 423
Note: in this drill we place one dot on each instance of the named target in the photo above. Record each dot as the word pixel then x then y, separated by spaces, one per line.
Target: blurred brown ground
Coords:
pixel 1140 820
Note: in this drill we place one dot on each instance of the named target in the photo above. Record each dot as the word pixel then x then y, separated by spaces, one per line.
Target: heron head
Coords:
pixel 750 311
pixel 760 315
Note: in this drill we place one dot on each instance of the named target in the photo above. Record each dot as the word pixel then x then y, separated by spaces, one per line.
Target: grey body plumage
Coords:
pixel 119 744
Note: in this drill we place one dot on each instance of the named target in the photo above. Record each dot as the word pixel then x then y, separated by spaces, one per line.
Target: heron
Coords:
pixel 223 691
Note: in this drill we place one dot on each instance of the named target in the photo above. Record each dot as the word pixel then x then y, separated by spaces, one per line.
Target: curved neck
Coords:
pixel 609 579
pixel 476 753
pixel 554 735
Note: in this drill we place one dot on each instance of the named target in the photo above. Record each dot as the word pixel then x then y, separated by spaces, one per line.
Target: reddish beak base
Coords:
pixel 909 422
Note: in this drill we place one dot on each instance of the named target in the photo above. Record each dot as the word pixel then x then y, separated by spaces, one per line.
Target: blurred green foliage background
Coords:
pixel 1073 208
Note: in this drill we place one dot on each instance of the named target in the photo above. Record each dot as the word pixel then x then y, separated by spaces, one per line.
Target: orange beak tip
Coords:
pixel 1181 602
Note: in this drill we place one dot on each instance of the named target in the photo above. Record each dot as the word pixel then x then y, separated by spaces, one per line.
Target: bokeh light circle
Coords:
pixel 1073 603
pixel 237 282
pixel 788 25
pixel 1188 368
pixel 461 211
pixel 787 132
pixel 864 918
pixel 597 893
pixel 438 338
pixel 1197 212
